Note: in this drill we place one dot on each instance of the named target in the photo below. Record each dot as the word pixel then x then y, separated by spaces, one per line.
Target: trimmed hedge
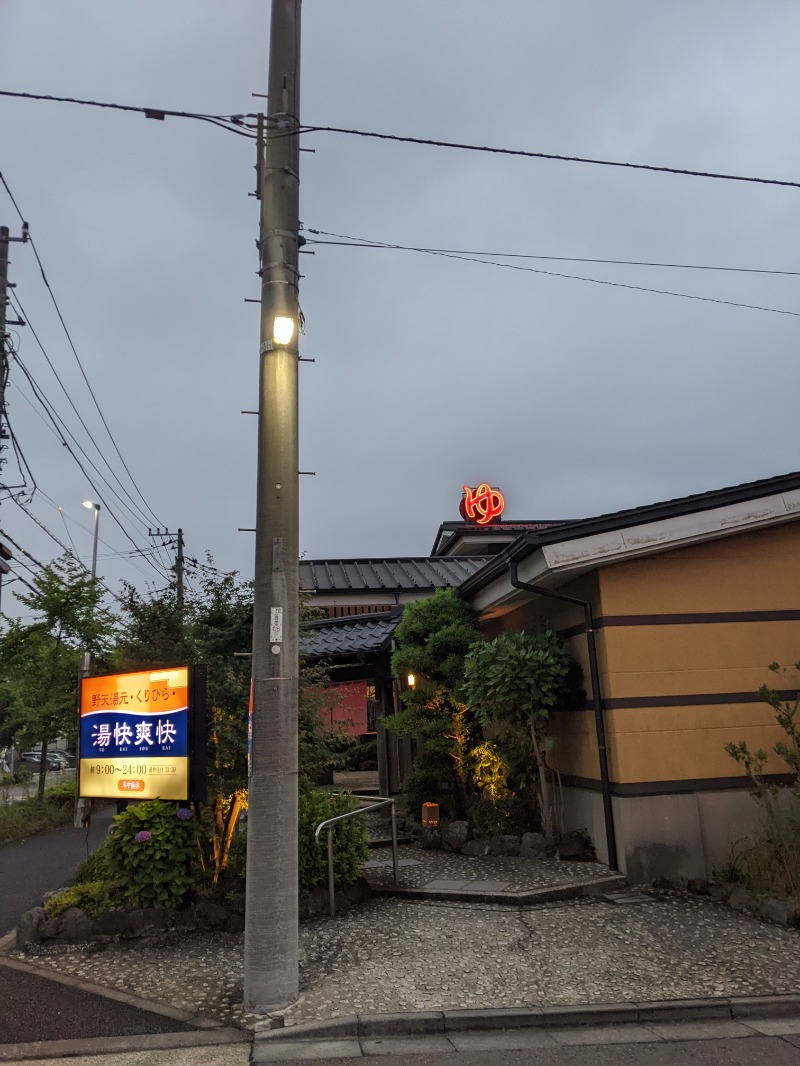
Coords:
pixel 350 841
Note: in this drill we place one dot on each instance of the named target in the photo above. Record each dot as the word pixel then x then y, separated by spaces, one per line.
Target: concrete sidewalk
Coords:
pixel 408 955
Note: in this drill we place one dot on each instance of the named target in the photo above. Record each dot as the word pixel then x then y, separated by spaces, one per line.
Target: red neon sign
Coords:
pixel 482 505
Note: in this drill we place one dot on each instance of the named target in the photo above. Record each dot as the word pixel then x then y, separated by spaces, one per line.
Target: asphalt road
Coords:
pixel 41 863
pixel 35 1008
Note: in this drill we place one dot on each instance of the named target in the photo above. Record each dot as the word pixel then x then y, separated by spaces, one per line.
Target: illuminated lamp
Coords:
pixel 430 815
pixel 411 680
pixel 282 329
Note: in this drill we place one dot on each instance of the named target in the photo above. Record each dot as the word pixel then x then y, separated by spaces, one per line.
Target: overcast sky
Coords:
pixel 575 398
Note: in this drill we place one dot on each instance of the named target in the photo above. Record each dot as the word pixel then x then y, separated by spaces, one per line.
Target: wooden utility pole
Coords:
pixel 271 959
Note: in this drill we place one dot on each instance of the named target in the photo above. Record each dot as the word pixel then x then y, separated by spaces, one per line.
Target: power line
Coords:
pixel 78 360
pixel 61 545
pixel 357 242
pixel 132 507
pixel 61 428
pixel 231 123
pixel 52 416
pixel 112 552
pixel 580 277
pixel 549 155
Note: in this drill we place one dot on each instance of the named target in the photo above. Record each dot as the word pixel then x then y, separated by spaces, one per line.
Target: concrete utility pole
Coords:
pixel 271 963
pixel 179 570
pixel 4 240
pixel 5 285
pixel 179 566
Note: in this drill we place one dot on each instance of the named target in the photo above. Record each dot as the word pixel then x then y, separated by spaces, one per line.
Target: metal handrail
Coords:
pixel 371 805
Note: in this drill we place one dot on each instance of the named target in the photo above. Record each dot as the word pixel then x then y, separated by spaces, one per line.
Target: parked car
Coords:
pixel 34 758
pixel 64 757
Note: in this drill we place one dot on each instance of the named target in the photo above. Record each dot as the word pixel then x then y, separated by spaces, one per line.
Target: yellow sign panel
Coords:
pixel 134 731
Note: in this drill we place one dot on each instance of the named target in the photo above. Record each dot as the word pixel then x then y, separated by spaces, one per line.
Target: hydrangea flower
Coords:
pixel 184 814
pixel 142 837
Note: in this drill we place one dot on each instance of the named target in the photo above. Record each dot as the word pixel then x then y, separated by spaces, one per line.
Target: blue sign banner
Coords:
pixel 118 733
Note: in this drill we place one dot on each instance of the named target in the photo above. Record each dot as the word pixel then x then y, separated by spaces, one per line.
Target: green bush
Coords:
pixel 430 781
pixel 61 795
pixel 350 847
pixel 94 868
pixel 28 817
pixel 510 814
pixel 93 897
pixel 236 870
pixel 149 852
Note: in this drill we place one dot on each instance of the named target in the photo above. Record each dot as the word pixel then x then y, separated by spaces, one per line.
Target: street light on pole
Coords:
pixel 83 807
pixel 96 508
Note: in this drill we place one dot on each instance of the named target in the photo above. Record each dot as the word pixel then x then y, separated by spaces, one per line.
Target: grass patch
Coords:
pixel 29 817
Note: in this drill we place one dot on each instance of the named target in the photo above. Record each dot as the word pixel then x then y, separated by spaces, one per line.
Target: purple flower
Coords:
pixel 142 837
pixel 184 814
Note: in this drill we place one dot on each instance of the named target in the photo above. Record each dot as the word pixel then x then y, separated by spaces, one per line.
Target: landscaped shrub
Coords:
pixel 149 851
pixel 511 814
pixel 770 865
pixel 350 847
pixel 27 817
pixel 61 795
pixel 93 897
pixel 429 781
pixel 95 867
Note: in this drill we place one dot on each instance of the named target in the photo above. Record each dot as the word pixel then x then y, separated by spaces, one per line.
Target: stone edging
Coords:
pixel 570 890
pixel 74 926
pixel 370 1026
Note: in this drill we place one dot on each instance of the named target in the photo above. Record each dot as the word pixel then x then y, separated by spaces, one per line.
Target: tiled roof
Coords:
pixel 455 532
pixel 348 636
pixel 386 575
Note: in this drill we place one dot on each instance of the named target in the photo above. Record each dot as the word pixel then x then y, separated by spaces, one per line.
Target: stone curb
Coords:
pixel 166 1011
pixel 571 890
pixel 107 1045
pixel 370 1026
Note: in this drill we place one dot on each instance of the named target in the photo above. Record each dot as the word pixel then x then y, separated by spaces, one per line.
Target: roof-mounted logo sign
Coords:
pixel 482 505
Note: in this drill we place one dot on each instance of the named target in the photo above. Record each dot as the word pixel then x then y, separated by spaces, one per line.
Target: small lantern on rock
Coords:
pixel 430 815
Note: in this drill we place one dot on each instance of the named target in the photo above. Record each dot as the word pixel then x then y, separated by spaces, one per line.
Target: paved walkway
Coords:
pixel 395 954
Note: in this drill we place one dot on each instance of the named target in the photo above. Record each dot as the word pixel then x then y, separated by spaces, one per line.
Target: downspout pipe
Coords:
pixel 599 722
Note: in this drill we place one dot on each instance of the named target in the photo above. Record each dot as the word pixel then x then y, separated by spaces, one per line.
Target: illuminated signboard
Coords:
pixel 137 733
pixel 482 505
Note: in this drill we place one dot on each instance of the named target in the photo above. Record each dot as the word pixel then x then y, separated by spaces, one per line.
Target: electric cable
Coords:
pixel 131 507
pixel 231 123
pixel 61 429
pixel 77 358
pixel 129 555
pixel 344 241
pixel 82 468
pixel 681 171
pixel 602 281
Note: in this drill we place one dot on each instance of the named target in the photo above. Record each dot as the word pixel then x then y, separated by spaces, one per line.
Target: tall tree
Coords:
pixel 514 684
pixel 214 626
pixel 39 661
pixel 433 639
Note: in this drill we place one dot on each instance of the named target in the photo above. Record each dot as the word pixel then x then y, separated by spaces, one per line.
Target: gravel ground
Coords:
pixel 399 955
